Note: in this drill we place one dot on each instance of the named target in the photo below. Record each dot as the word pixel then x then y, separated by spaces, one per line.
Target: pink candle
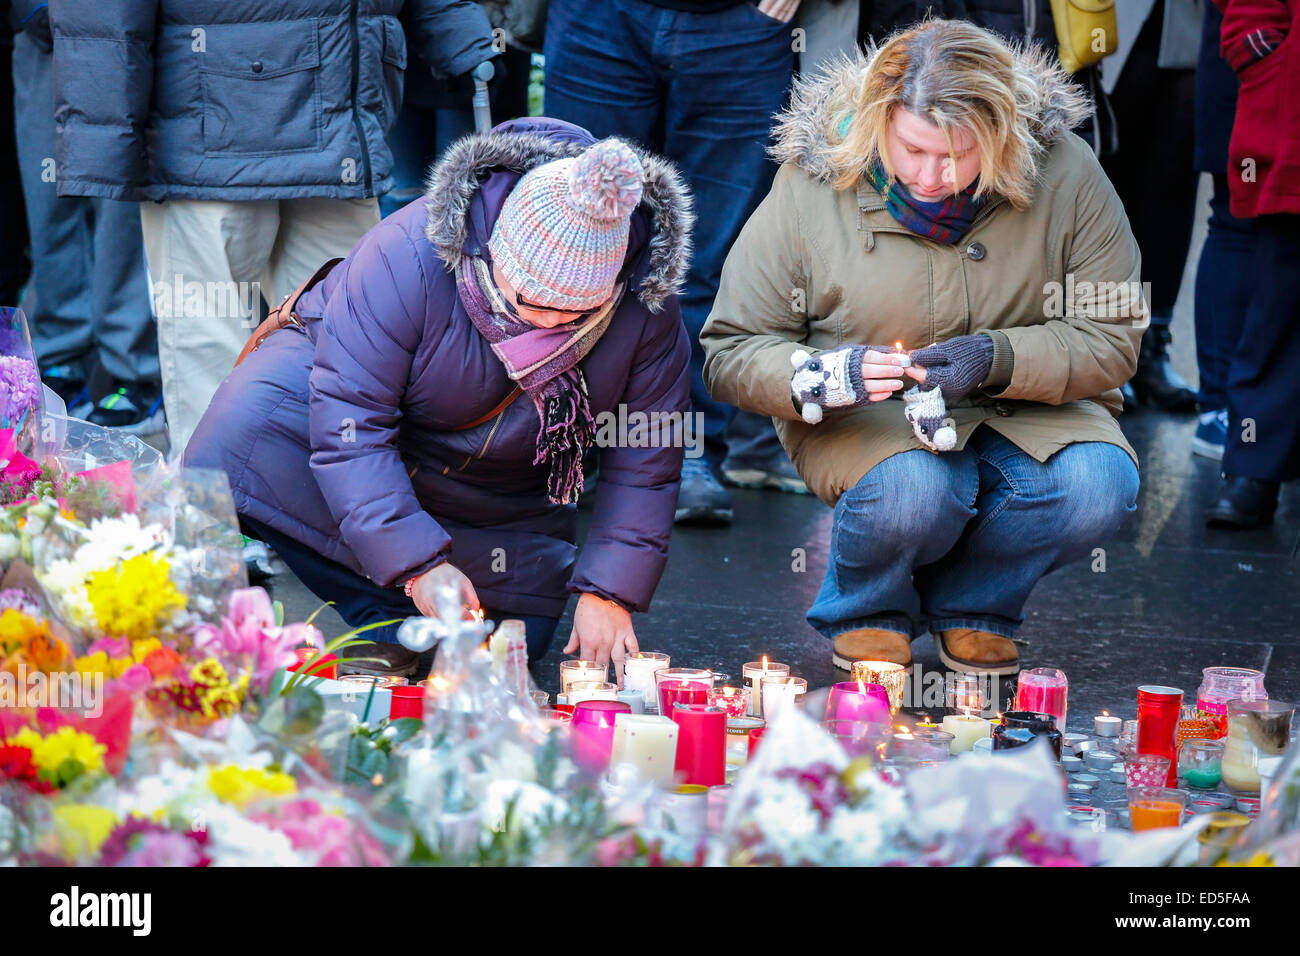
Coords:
pixel 1043 690
pixel 682 692
pixel 701 744
pixel 593 732
pixel 856 701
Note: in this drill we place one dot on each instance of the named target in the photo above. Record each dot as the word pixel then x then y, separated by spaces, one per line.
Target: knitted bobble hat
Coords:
pixel 562 233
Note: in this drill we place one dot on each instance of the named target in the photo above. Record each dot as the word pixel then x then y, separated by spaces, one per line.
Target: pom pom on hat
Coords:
pixel 605 181
pixel 562 233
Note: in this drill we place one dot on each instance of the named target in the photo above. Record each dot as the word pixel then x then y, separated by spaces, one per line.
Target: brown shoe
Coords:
pixel 979 652
pixel 871 644
pixel 393 660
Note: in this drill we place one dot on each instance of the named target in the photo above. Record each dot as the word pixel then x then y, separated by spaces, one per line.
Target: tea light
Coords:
pixel 780 692
pixel 1087 780
pixel 904 360
pixel 1071 763
pixel 639 674
pixel 1073 742
pixel 925 723
pixel 1104 725
pixel 983 746
pixel 1117 775
pixel 1099 760
pixel 571 671
pixel 965 731
pixel 734 700
pixel 647 743
pixel 1079 793
pixel 753 674
pixel 584 690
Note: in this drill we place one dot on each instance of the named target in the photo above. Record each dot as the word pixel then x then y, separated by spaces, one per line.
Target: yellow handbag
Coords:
pixel 1086 31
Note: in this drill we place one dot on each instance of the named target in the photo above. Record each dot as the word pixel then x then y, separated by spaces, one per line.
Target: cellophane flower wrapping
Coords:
pixel 21 396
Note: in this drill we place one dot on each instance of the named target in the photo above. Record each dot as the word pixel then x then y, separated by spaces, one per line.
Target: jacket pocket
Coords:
pixel 261 92
pixel 394 59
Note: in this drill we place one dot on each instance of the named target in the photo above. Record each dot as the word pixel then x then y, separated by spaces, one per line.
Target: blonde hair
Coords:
pixel 958 76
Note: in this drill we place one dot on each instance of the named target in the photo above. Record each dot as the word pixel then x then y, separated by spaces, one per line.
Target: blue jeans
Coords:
pixel 959 539
pixel 700 88
pixel 360 601
pixel 1223 289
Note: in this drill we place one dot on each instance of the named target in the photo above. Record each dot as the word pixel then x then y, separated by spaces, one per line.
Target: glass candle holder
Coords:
pixel 891 676
pixel 592 732
pixel 782 692
pixel 1020 728
pixel 1044 690
pixel 540 698
pixel 856 701
pixel 859 738
pixel 923 746
pixel 1200 763
pixel 1159 708
pixel 406 701
pixel 1258 730
pixel 682 685
pixel 1152 808
pixel 965 693
pixel 753 673
pixel 1145 770
pixel 1191 725
pixel 584 690
pixel 1220 686
pixel 571 671
pixel 738 731
pixel 734 700
pixel 639 674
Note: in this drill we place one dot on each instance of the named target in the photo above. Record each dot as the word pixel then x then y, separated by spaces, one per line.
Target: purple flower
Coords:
pixel 20 387
pixel 139 842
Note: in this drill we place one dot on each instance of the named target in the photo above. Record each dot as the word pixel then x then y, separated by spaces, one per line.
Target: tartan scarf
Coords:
pixel 544 363
pixel 944 221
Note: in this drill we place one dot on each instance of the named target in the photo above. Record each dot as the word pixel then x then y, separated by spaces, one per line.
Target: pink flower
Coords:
pixel 248 615
pixel 137 677
pixel 112 646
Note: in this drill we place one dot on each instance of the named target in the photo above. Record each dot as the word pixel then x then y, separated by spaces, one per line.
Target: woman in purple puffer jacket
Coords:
pixel 538 263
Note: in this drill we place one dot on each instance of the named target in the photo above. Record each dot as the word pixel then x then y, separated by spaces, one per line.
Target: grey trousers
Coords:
pixel 88 280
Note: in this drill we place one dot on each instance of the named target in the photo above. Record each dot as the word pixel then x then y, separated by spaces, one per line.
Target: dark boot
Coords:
pixel 1156 383
pixel 1243 503
pixel 397 660
pixel 702 499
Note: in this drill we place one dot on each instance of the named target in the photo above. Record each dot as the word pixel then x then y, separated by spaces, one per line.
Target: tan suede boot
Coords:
pixel 963 649
pixel 871 644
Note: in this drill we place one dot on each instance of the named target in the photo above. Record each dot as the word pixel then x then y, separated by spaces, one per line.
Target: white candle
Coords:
pixel 965 731
pixel 647 743
pixel 639 674
pixel 781 692
pixel 633 699
pixel 1104 725
pixel 591 690
pixel 571 671
pixel 753 673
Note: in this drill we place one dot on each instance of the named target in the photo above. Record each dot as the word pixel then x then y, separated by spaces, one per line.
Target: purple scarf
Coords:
pixel 544 363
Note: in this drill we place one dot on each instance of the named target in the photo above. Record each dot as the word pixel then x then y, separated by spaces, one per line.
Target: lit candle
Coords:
pixel 891 676
pixel 307 659
pixel 583 690
pixel 647 743
pixel 858 702
pixel 925 723
pixel 904 360
pixel 1104 725
pixel 639 674
pixel 781 692
pixel 571 671
pixel 753 673
pixel 965 730
pixel 734 700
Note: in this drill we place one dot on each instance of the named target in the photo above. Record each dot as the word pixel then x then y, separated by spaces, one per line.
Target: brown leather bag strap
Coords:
pixel 505 403
pixel 283 314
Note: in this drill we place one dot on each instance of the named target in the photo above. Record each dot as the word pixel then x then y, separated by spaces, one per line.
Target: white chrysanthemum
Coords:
pixel 859 837
pixel 66 581
pixel 115 539
pixel 787 821
pixel 174 789
pixel 234 840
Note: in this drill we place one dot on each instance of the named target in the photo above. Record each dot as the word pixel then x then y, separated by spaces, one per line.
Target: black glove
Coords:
pixel 958 366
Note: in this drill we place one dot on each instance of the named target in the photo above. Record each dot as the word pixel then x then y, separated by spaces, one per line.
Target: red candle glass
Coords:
pixel 1043 690
pixel 592 730
pixel 308 656
pixel 1158 712
pixel 406 701
pixel 854 701
pixel 701 744
pixel 682 685
pixel 755 736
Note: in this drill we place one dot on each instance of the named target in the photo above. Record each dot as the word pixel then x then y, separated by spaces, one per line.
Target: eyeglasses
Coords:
pixel 579 315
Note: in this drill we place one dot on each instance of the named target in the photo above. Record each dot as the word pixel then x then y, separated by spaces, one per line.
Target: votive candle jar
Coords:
pixel 753 673
pixel 782 692
pixel 1220 686
pixel 734 700
pixel 584 690
pixel 639 674
pixel 1153 808
pixel 1044 690
pixel 592 732
pixel 571 671
pixel 682 685
pixel 891 676
pixel 856 701
pixel 1200 763
pixel 1159 709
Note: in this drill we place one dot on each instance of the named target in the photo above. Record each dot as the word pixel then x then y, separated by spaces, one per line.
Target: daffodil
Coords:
pixel 241 786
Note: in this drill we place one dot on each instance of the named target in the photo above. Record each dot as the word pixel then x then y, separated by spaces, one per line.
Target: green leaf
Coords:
pixel 278 606
pixel 406 727
pixel 317 611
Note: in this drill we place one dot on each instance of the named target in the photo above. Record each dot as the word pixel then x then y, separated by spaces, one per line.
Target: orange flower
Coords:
pixel 161 661
pixel 47 653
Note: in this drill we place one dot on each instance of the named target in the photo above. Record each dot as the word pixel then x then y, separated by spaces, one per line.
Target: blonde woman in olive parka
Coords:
pixel 931 195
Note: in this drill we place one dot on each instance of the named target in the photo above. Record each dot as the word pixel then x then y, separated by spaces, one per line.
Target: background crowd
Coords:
pixel 159 147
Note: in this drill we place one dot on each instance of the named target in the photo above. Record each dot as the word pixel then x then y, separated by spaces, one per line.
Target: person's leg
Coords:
pixel 1222 291
pixel 1264 378
pixel 62 320
pixel 412 140
pixel 1033 517
pixel 313 231
pixel 755 458
pixel 729 73
pixel 599 73
pixel 126 336
pixel 206 258
pixel 906 512
pixel 358 600
pixel 15 264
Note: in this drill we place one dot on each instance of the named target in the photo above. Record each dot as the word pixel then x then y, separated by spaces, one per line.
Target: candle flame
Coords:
pixel 898 346
pixel 764 662
pixel 1105 713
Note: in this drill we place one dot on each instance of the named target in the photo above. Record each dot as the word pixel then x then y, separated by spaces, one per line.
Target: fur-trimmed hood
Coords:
pixel 522 145
pixel 805 131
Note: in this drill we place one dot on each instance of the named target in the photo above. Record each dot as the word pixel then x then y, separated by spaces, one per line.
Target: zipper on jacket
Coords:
pixel 356 85
pixel 487 442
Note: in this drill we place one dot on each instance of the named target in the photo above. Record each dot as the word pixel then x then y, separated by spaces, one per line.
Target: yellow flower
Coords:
pixel 130 599
pixel 101 663
pixel 25 738
pixel 16 629
pixel 68 744
pixel 141 649
pixel 241 786
pixel 82 828
pixel 217 697
pixel 1259 859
